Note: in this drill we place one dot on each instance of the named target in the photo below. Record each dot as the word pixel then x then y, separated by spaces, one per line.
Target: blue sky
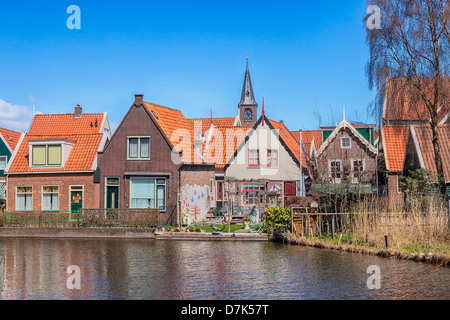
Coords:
pixel 190 55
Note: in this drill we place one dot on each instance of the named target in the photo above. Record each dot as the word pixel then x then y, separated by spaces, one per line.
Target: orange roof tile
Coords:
pixel 224 144
pixel 308 136
pixel 217 122
pixel 11 137
pixel 174 125
pixel 66 124
pixel 286 136
pixel 424 138
pixel 403 102
pixel 81 157
pixel 394 141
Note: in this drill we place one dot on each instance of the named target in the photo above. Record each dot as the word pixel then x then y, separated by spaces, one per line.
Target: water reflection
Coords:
pixel 148 269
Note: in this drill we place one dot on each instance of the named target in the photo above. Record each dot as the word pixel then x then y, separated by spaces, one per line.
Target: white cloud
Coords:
pixel 15 117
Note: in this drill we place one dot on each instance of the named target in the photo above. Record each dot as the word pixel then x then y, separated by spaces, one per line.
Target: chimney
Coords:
pixel 138 99
pixel 78 111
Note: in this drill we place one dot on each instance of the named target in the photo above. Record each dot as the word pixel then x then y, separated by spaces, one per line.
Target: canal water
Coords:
pixel 191 270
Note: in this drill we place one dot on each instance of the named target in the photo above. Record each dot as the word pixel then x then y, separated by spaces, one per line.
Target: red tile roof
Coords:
pixel 224 144
pixel 308 136
pixel 289 140
pixel 81 157
pixel 226 122
pixel 173 123
pixel 82 132
pixel 424 138
pixel 11 137
pixel 403 102
pixel 394 145
pixel 66 124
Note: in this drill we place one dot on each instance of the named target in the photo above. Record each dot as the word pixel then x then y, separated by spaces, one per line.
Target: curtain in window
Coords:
pixel 142 193
pixel 145 147
pixel 39 155
pixel 54 155
pixel 133 148
pixel 50 201
pixel 24 202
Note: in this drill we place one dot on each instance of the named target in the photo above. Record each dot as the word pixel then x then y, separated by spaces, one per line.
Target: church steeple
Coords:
pixel 247 106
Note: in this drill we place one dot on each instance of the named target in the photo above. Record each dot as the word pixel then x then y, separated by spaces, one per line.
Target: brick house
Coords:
pixel 9 140
pixel 150 161
pixel 346 160
pixel 55 164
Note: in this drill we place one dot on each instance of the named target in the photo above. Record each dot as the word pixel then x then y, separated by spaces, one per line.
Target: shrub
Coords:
pixel 274 216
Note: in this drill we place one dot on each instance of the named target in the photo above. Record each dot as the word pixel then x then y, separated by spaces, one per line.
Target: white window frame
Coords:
pixel 257 157
pixel 24 193
pixel 335 180
pixel 355 179
pixel 273 158
pixel 42 197
pixel 139 147
pixel 156 191
pixel 349 143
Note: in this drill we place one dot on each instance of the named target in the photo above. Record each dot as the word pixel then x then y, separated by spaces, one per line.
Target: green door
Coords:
pixel 112 197
pixel 76 200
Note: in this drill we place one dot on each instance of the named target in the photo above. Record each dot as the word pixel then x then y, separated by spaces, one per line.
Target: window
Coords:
pixel 139 148
pixel 253 158
pixel 251 193
pixel 3 161
pixel 346 143
pixel 272 158
pixel 148 193
pixel 46 155
pixel 24 196
pixel 50 198
pixel 357 169
pixel 335 169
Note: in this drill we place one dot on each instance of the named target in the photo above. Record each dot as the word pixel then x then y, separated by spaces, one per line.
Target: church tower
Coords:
pixel 247 106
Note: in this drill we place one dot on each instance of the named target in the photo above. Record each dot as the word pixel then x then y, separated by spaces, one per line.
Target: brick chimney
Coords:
pixel 78 111
pixel 138 99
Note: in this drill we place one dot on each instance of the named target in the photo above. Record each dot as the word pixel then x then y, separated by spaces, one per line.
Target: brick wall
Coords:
pixel 63 181
pixel 357 151
pixel 113 161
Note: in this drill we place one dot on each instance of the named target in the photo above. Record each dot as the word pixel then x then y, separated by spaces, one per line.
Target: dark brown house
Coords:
pixel 347 160
pixel 141 167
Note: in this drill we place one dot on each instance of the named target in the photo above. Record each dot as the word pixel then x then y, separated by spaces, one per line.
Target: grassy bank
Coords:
pixel 416 231
pixel 437 253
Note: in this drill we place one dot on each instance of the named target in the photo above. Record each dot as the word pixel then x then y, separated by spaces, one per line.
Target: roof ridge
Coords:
pixel 161 106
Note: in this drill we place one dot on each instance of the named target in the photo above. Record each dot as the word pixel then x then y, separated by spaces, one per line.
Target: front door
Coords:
pixel 76 200
pixel 112 197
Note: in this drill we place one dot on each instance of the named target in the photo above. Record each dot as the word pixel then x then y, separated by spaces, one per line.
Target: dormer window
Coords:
pixel 46 155
pixel 49 153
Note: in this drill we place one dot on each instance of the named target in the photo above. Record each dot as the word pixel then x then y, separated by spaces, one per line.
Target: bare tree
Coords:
pixel 409 61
